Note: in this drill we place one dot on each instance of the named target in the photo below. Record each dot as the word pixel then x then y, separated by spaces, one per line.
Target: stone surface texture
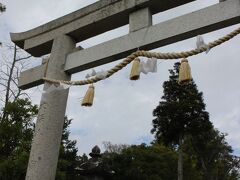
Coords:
pixel 48 132
pixel 95 19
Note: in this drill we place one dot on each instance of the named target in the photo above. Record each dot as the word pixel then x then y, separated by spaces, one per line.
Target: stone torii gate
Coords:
pixel 59 37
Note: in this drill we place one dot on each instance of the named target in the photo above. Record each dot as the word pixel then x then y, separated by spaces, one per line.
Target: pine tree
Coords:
pixel 180 113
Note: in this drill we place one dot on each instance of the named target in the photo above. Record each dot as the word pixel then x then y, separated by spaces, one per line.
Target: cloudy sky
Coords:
pixel 122 111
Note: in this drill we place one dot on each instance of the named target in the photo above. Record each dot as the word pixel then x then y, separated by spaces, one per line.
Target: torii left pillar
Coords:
pixel 48 132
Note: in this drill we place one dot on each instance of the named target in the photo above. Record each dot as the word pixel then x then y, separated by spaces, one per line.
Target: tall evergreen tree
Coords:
pixel 180 113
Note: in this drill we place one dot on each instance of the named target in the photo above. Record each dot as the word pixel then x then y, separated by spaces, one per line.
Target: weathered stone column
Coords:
pixel 140 19
pixel 47 137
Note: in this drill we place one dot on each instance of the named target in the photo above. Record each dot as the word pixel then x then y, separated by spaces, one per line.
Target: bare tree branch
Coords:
pixel 12 63
pixel 7 95
pixel 24 58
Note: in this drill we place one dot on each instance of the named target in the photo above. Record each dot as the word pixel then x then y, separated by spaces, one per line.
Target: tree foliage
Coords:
pixel 114 148
pixel 16 131
pixel 214 156
pixel 142 162
pixel 181 111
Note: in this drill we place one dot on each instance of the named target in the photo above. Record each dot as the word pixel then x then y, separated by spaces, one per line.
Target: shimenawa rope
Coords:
pixel 148 54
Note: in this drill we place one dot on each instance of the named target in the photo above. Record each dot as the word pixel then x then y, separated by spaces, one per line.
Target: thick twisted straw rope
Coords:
pixel 148 54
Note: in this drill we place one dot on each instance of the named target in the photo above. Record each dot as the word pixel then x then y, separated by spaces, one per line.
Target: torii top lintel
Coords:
pixel 87 22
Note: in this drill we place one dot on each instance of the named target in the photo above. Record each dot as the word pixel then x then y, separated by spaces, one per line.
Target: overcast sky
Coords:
pixel 122 110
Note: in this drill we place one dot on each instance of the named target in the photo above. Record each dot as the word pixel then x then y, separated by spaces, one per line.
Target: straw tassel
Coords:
pixel 135 72
pixel 88 98
pixel 184 73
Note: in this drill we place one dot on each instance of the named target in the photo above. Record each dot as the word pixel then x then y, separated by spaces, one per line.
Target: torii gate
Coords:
pixel 59 37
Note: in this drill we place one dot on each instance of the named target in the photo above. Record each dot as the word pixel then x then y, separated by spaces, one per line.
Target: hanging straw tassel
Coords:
pixel 135 72
pixel 88 98
pixel 184 73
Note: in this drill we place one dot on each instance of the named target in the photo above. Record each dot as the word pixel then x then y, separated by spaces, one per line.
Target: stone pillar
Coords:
pixel 48 132
pixel 140 19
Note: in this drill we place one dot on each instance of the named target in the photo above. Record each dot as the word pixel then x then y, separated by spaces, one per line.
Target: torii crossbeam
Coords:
pixel 59 37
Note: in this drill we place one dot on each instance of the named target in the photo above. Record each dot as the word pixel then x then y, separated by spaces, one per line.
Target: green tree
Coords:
pixel 214 156
pixel 180 113
pixel 141 162
pixel 16 131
